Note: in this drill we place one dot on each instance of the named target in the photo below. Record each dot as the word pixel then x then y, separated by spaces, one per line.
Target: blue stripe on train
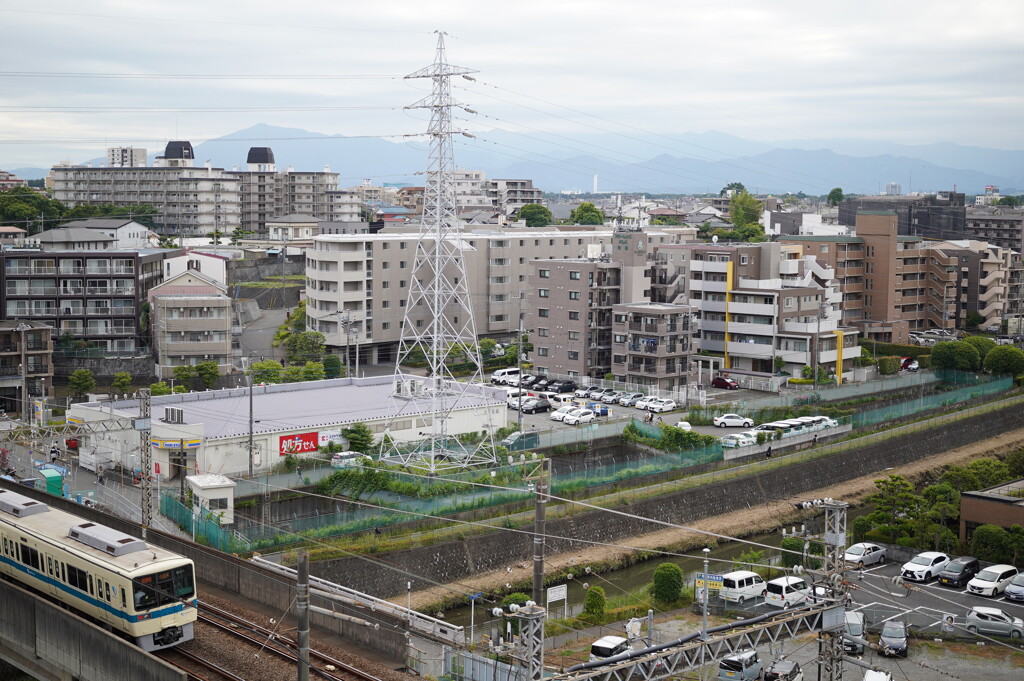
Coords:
pixel 95 602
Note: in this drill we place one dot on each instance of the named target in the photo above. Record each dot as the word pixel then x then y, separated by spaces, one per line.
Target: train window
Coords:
pixel 29 556
pixel 89 578
pixel 63 573
pixel 49 565
pixel 124 602
pixel 77 578
pixel 5 545
pixel 107 589
pixel 164 587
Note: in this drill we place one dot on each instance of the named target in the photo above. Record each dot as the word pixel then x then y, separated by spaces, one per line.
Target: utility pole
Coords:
pixel 144 425
pixel 302 608
pixel 704 618
pixel 831 636
pixel 250 423
pixel 519 358
pixel 538 531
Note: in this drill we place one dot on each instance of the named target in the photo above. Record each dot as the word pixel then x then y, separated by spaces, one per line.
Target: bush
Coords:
pixel 888 366
pixel 667 586
pixel 959 355
pixel 594 603
pixel 897 349
pixel 1004 359
pixel 981 344
pixel 991 543
pixel 861 527
pixel 793 544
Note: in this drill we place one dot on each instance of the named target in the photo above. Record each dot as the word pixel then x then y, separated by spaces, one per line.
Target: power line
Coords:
pixel 196 76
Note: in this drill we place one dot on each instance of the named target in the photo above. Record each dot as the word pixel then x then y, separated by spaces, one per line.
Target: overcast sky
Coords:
pixel 898 70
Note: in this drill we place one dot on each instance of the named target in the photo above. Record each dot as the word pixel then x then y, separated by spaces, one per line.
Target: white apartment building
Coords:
pixel 126 157
pixel 357 284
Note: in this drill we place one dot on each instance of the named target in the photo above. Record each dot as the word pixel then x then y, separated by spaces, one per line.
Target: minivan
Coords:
pixel 608 646
pixel 345 459
pixel 520 440
pixel 502 375
pixel 855 628
pixel 741 666
pixel 786 592
pixel 992 581
pixel 783 670
pixel 740 586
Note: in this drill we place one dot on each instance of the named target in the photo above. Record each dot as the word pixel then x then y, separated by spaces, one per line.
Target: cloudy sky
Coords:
pixel 78 77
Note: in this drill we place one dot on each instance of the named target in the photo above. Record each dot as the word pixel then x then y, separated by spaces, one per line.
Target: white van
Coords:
pixel 502 375
pixel 608 646
pixel 740 586
pixel 785 592
pixel 346 459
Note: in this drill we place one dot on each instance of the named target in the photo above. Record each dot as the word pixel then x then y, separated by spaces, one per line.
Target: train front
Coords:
pixel 164 606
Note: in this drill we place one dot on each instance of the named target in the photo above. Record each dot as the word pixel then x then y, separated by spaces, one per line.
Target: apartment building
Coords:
pixel 764 307
pixel 931 216
pixel 988 281
pixel 26 363
pixel 365 278
pixel 127 234
pixel 998 225
pixel 10 181
pixel 126 157
pixel 890 284
pixel 652 343
pixel 190 201
pixel 191 318
pixel 94 296
pixel 511 195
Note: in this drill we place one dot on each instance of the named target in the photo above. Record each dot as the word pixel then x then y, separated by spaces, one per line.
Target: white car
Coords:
pixel 684 425
pixel 578 417
pixel 992 581
pixel 630 399
pixel 737 440
pixel 560 413
pixel 612 397
pixel 583 390
pixel 924 566
pixel 645 403
pixel 864 553
pixel 733 420
pixel 662 405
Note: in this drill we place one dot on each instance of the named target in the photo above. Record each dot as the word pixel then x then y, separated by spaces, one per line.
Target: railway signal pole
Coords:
pixel 831 636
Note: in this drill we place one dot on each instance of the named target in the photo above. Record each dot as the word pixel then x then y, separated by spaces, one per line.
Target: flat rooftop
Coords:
pixel 291 406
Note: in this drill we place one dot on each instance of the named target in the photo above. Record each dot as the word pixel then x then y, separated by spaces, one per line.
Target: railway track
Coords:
pixel 264 641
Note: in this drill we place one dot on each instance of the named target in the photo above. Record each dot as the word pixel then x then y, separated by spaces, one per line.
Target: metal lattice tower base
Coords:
pixel 831 638
pixel 438 324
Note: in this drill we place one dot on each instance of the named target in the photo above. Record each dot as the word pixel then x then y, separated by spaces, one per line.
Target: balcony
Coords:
pixel 757 350
pixel 708 266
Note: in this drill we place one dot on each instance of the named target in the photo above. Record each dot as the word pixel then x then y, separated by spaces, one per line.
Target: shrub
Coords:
pixel 981 344
pixel 888 366
pixel 594 603
pixel 1005 359
pixel 991 543
pixel 793 544
pixel 667 586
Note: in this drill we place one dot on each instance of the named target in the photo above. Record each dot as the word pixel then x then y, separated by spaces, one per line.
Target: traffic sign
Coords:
pixel 712 581
pixel 478 594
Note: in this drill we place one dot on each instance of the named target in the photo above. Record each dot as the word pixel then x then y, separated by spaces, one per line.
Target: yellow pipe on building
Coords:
pixel 728 299
pixel 839 356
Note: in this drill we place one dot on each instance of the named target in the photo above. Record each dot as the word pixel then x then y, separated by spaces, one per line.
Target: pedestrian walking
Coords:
pixel 298 473
pixel 99 475
pixel 814 442
pixel 768 454
pixel 376 530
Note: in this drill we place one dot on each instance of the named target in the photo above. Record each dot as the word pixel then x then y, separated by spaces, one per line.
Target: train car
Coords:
pixel 144 592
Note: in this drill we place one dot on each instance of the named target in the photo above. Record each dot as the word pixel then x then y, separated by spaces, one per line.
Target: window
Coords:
pixel 544 293
pixel 498 318
pixel 385 284
pixel 543 333
pixel 574 275
pixel 402 283
pixel 744 260
pixel 542 312
pixel 387 265
pixel 573 354
pixel 218 504
pixel 542 352
pixel 574 295
pixel 574 335
pixel 385 326
pixel 824 248
pixel 789 302
pixel 573 314
pixel 401 245
pixel 402 264
pixel 543 274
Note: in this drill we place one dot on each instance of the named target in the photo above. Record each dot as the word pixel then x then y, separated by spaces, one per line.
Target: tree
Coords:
pixel 360 438
pixel 961 479
pixel 292 374
pixel 586 214
pixel 745 211
pixel 990 472
pixel 956 355
pixel 835 197
pixel 536 215
pixel 1005 359
pixel 790 544
pixel 305 346
pixel 1016 541
pixel 667 586
pixel 81 382
pixel 734 186
pixel 895 506
pixel 974 319
pixel 991 543
pixel 982 344
pixel 1015 463
pixel 238 233
pixel 267 371
pixel 160 388
pixel 594 603
pixel 313 371
pixel 183 374
pixel 943 502
pixel 122 382
pixel 1012 201
pixel 332 366
pixel 208 372
pixel 29 210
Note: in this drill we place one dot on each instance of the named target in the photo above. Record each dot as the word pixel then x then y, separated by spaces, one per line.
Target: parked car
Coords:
pixel 992 581
pixel 644 403
pixel 959 571
pixel 783 670
pixel 598 393
pixel 864 553
pixel 855 628
pixel 543 383
pixel 559 414
pixel 993 621
pixel 894 639
pixel 608 646
pixel 924 566
pixel 741 585
pixel 724 382
pixel 528 380
pixel 737 440
pixel 71 443
pixel 613 397
pixel 564 385
pixel 1015 589
pixel 662 405
pixel 684 425
pixel 584 390
pixel 733 420
pixel 535 405
pixel 578 417
pixel 516 397
pixel 785 592
pixel 630 399
pixel 519 441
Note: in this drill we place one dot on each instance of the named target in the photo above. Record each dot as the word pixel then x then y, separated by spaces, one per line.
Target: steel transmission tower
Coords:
pixel 438 321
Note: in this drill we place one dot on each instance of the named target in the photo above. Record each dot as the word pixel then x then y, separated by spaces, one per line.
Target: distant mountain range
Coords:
pixel 636 162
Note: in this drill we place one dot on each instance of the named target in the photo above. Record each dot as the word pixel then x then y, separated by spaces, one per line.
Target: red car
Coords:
pixel 723 382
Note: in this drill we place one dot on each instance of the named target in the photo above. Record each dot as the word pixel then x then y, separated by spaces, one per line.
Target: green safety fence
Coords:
pixel 205 526
pixel 973 389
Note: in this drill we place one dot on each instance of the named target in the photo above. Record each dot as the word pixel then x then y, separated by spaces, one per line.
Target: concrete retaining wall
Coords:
pixel 456 560
pixel 142 369
pixel 48 642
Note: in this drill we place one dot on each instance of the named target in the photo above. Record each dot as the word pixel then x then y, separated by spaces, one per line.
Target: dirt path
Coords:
pixel 758 519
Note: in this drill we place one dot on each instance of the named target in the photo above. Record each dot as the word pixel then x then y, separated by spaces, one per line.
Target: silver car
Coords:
pixel 993 621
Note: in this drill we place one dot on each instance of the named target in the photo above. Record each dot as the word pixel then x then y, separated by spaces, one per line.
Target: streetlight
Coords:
pixel 823 309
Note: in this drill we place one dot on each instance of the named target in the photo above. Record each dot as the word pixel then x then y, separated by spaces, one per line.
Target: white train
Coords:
pixel 147 593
